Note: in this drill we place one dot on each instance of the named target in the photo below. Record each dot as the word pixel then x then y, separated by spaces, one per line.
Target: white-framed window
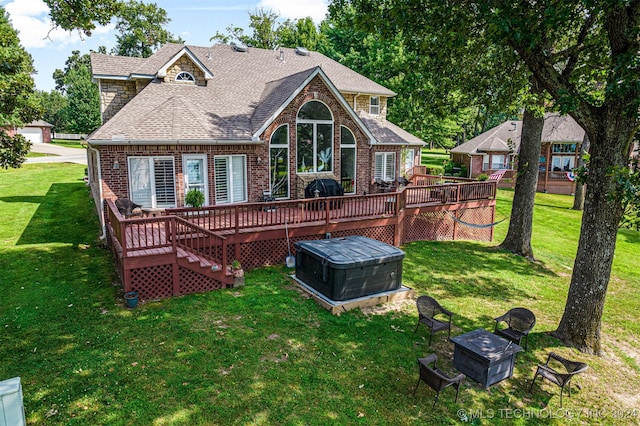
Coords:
pixel 194 171
pixel 562 163
pixel 314 138
pixel 347 160
pixel 564 157
pixel 385 166
pixel 374 105
pixel 409 159
pixel 152 181
pixel 498 162
pixel 185 76
pixel 494 162
pixel 230 174
pixel 279 162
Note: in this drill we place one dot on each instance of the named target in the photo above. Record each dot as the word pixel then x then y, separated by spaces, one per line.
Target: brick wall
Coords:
pixel 116 181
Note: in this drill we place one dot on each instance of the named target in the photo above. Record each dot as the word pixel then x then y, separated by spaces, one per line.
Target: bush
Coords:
pixel 194 198
pixel 482 177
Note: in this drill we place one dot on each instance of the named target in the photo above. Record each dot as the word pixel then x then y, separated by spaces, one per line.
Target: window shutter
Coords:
pixel 390 167
pixel 222 182
pixel 165 183
pixel 379 167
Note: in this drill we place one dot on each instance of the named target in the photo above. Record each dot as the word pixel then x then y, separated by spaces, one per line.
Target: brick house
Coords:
pixel 498 148
pixel 38 131
pixel 237 123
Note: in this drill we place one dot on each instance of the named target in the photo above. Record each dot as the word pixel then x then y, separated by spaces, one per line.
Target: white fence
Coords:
pixel 72 136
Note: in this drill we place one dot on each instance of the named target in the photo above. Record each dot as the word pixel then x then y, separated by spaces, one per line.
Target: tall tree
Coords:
pixel 83 109
pixel 585 56
pixel 54 105
pixel 458 73
pixel 141 29
pixel 82 112
pixel 18 104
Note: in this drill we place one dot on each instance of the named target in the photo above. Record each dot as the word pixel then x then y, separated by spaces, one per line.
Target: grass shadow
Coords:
pixel 56 219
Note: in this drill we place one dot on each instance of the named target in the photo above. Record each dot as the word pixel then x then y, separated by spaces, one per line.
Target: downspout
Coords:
pixel 470 165
pixel 354 101
pixel 101 209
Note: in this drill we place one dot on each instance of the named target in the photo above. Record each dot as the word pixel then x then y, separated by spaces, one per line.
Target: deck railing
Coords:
pixel 165 232
pixel 202 229
pixel 238 217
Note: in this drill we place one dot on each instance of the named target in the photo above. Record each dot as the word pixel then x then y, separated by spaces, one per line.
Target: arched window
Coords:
pixel 314 134
pixel 347 160
pixel 279 162
pixel 185 76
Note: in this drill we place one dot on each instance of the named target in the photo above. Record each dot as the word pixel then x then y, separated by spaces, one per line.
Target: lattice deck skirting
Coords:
pixel 265 247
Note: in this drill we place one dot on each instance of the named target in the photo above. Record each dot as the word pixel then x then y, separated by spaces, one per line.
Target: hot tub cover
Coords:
pixel 351 252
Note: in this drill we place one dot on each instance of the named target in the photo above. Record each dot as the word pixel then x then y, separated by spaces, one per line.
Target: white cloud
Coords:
pixel 31 19
pixel 297 9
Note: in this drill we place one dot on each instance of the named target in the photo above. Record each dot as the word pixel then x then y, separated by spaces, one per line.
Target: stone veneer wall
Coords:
pixel 114 94
pixel 362 104
pixel 185 64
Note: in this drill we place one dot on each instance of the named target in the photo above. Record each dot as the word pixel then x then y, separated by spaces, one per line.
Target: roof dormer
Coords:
pixel 185 67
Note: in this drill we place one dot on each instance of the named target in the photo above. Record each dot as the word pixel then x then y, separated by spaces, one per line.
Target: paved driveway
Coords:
pixel 57 154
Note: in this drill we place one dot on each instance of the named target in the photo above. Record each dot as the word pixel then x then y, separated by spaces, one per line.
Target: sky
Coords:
pixel 196 21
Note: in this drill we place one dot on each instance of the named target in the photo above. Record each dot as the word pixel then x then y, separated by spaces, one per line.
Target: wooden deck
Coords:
pixel 259 234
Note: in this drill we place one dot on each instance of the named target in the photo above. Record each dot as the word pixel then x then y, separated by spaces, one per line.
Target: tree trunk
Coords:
pixel 580 325
pixel 518 239
pixel 578 199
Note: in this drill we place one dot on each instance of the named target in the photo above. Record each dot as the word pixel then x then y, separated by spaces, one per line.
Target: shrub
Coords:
pixel 482 177
pixel 194 198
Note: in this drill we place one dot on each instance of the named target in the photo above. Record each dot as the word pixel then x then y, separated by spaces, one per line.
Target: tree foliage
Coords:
pixel 269 32
pixel 141 29
pixel 82 15
pixel 82 111
pixel 585 56
pixel 54 105
pixel 18 104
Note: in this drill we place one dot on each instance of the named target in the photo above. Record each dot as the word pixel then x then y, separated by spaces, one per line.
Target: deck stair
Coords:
pixel 198 263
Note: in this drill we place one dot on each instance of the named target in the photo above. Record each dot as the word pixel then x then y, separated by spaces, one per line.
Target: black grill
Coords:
pixel 324 188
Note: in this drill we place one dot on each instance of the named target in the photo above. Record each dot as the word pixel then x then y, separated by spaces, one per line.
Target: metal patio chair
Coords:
pixel 519 323
pixel 435 378
pixel 428 308
pixel 561 379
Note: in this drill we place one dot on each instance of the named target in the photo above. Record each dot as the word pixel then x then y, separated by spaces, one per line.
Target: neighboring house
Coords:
pixel 498 149
pixel 36 132
pixel 239 123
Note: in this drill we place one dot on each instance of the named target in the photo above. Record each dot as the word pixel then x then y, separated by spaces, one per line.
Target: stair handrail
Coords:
pixel 212 236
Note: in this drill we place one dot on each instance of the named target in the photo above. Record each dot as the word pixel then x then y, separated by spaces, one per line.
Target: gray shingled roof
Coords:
pixel 384 130
pixel 557 128
pixel 247 89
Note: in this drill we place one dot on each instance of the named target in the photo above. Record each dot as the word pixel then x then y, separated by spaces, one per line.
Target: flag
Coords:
pixel 497 175
pixel 571 176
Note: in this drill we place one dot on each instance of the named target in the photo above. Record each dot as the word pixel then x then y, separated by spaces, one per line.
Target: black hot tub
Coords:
pixel 350 267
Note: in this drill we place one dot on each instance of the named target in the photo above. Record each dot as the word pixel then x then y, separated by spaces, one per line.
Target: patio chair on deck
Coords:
pixel 559 378
pixel 128 208
pixel 436 379
pixel 519 322
pixel 428 308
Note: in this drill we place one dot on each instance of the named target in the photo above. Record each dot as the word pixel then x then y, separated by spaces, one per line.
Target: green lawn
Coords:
pixel 267 354
pixel 68 143
pixel 434 160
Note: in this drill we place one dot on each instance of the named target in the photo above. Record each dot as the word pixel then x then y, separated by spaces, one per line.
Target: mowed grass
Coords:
pixel 68 143
pixel 266 353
